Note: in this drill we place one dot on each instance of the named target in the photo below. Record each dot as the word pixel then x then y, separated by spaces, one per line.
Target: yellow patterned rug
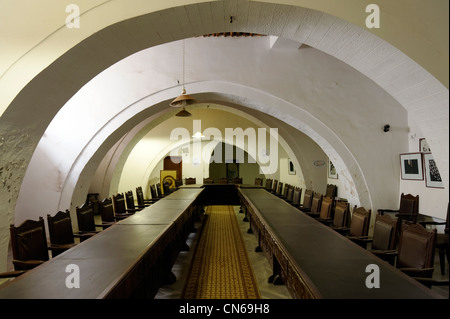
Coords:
pixel 220 268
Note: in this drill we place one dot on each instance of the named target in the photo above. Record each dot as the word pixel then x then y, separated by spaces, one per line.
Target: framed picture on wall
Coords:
pixel 411 166
pixel 432 176
pixel 332 173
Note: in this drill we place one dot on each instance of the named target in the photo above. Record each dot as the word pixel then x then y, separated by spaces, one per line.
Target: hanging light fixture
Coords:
pixel 183 100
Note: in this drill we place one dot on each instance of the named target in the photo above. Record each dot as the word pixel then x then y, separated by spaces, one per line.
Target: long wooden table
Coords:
pixel 132 258
pixel 313 260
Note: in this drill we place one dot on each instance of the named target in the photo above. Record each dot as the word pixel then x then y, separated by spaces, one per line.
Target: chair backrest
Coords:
pixel 208 180
pixel 274 186
pixel 29 241
pixel 284 191
pixel 268 184
pixel 60 228
pixel 237 180
pixel 416 247
pixel 153 192
pixel 360 221
pixel 307 198
pixel 409 207
pixel 297 195
pixel 166 189
pixel 290 193
pixel 385 233
pixel 258 181
pixel 191 181
pixel 341 211
pixel 119 204
pixel 331 191
pixel 140 196
pixel 325 207
pixel 159 191
pixel 85 218
pixel 107 210
pixel 129 198
pixel 279 189
pixel 316 203
pixel 223 180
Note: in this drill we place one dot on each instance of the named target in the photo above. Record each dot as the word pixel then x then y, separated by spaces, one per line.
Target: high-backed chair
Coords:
pixel 258 181
pixel 29 244
pixel 341 215
pixel 442 240
pixel 268 184
pixel 86 220
pixel 297 195
pixel 107 212
pixel 142 201
pixel 208 180
pixel 61 232
pixel 416 250
pixel 120 208
pixel 154 193
pixel 191 181
pixel 290 194
pixel 274 186
pixel 307 200
pixel 131 206
pixel 326 209
pixel 315 205
pixel 408 210
pixel 284 191
pixel 359 226
pixel 279 189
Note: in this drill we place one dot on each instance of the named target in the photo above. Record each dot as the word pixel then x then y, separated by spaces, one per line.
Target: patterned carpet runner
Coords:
pixel 220 268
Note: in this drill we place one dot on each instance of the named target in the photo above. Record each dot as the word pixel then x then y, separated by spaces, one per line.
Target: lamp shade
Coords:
pixel 182 100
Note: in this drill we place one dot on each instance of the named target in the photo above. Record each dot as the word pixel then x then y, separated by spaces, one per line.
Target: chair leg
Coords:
pixel 442 259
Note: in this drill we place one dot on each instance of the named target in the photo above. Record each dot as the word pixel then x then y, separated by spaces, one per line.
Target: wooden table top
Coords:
pixel 334 264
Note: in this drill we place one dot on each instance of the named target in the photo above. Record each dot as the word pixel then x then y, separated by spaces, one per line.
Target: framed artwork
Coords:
pixel 432 176
pixel 411 166
pixel 291 167
pixel 423 146
pixel 332 173
pixel 232 170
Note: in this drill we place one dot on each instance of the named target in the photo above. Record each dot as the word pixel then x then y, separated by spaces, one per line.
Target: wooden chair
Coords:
pixel 325 210
pixel 131 206
pixel 341 215
pixel 120 209
pixel 223 180
pixel 154 193
pixel 442 240
pixel 359 226
pixel 315 205
pixel 61 232
pixel 237 180
pixel 297 195
pixel 416 250
pixel 29 244
pixel 107 212
pixel 268 184
pixel 284 191
pixel 290 194
pixel 274 186
pixel 384 239
pixel 208 180
pixel 86 221
pixel 279 189
pixel 408 211
pixel 258 181
pixel 142 201
pixel 307 201
pixel 191 181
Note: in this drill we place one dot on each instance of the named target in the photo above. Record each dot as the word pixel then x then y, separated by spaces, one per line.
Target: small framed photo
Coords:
pixel 291 167
pixel 432 176
pixel 423 146
pixel 332 173
pixel 411 166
